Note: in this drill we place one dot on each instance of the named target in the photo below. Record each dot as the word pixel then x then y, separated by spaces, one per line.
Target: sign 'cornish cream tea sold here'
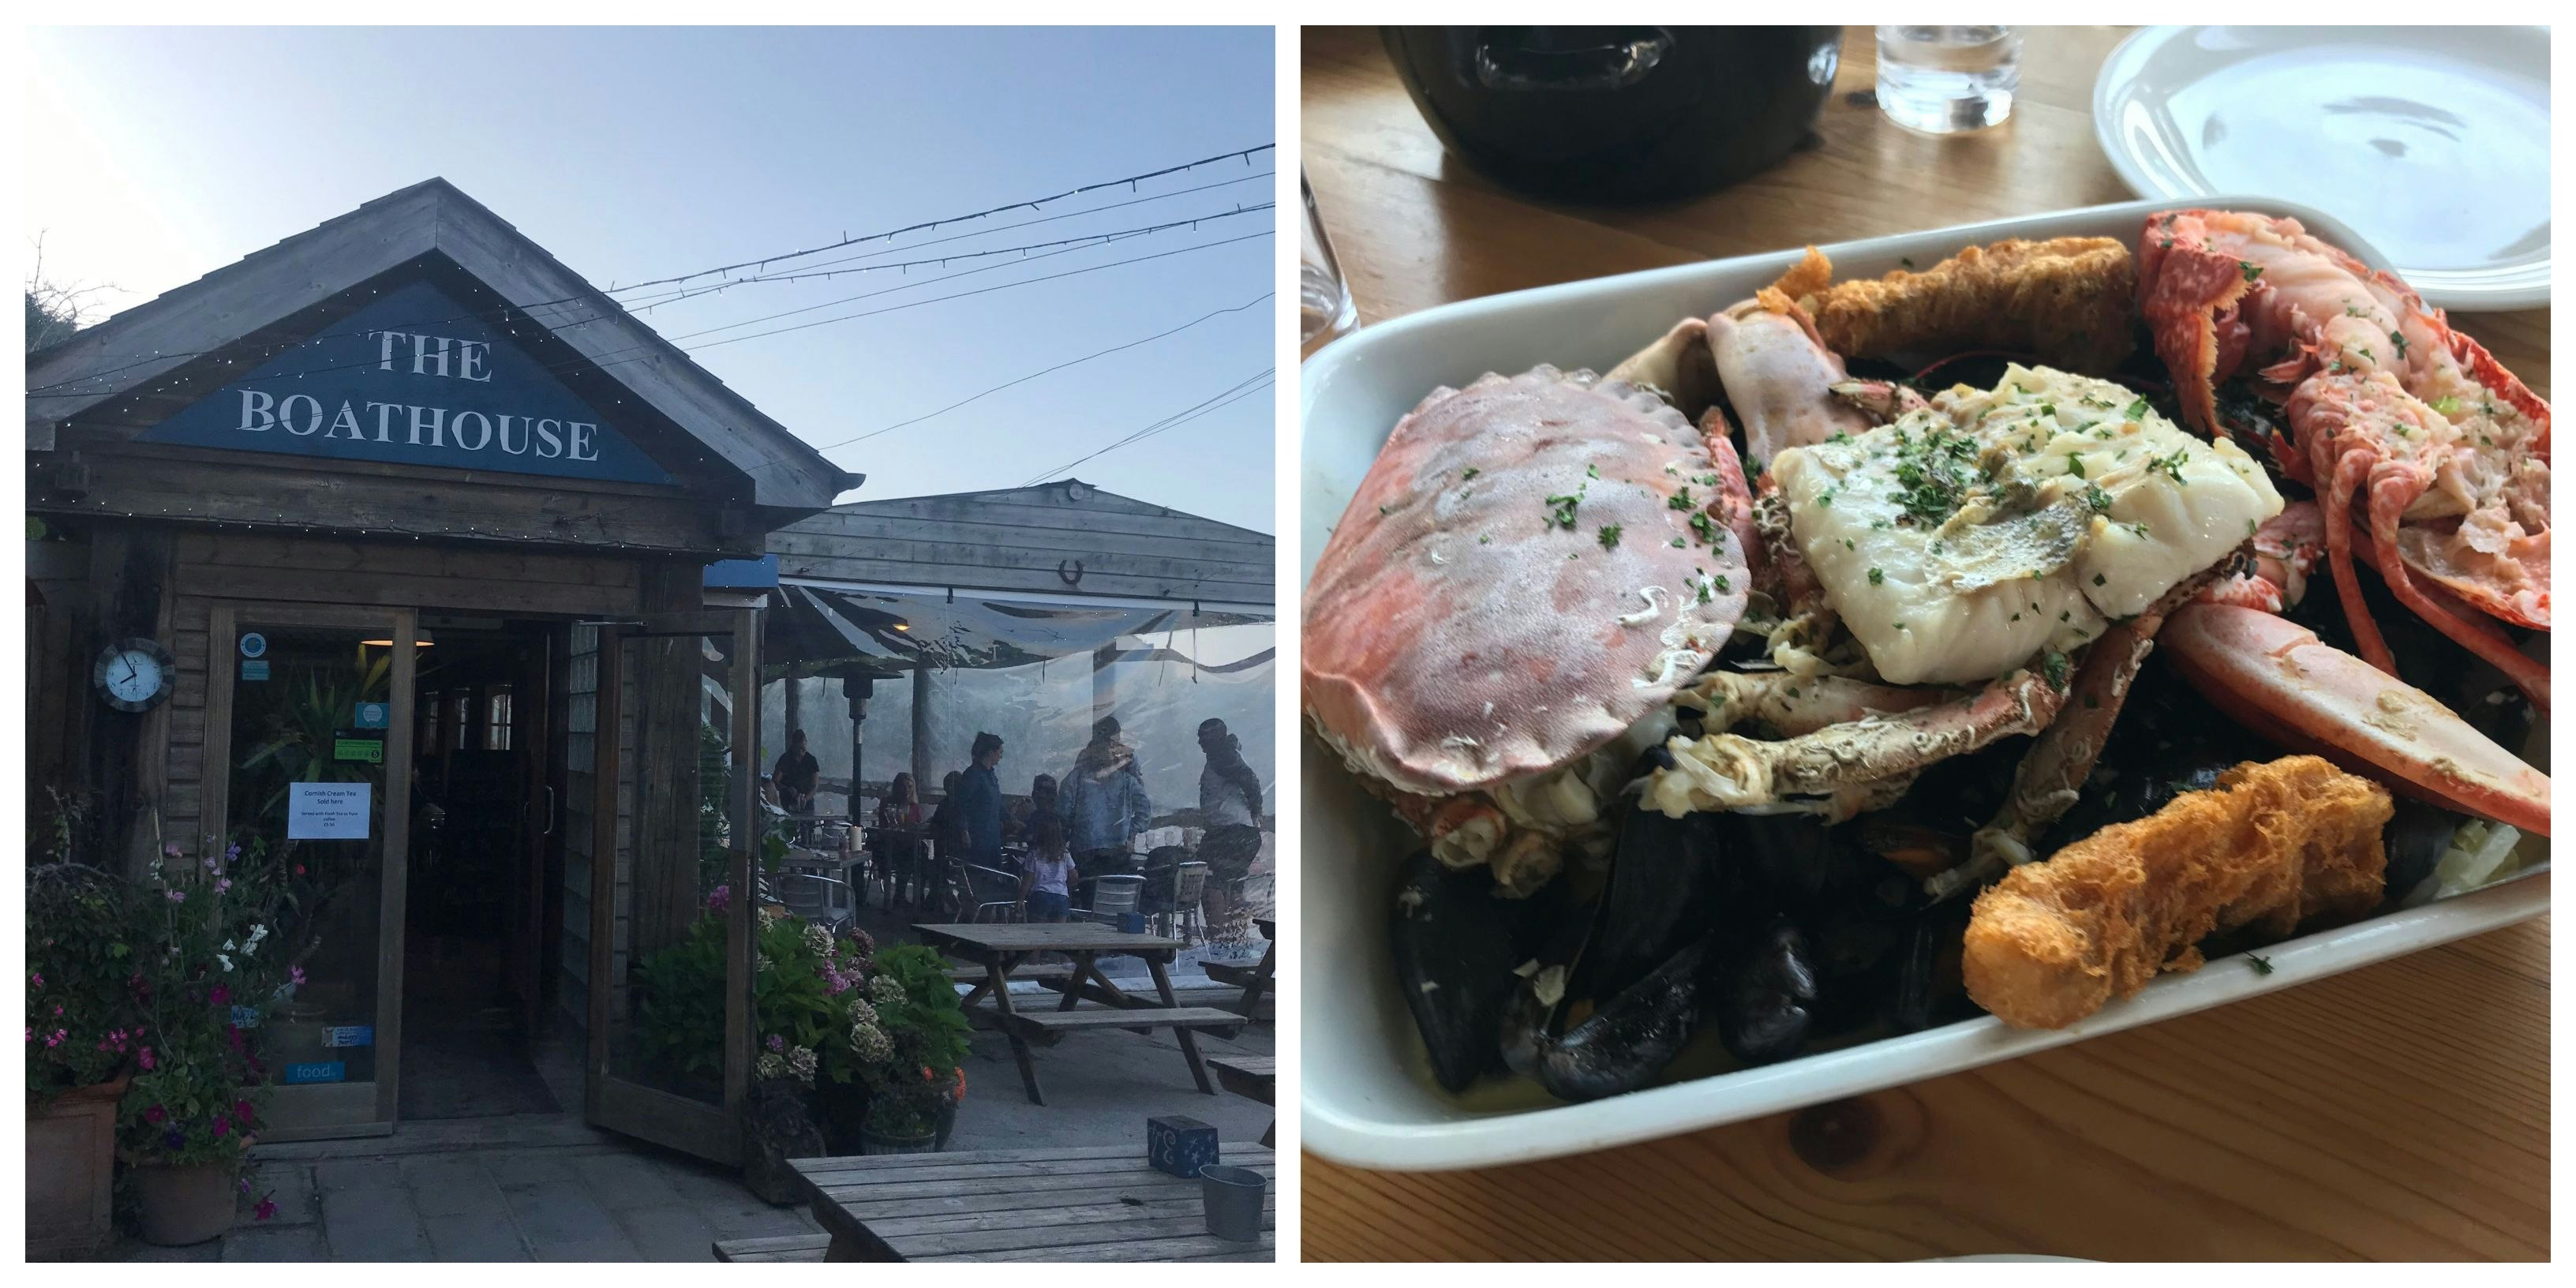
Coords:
pixel 414 378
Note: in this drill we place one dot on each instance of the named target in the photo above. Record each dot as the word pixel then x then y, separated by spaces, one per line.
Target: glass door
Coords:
pixel 671 1029
pixel 303 703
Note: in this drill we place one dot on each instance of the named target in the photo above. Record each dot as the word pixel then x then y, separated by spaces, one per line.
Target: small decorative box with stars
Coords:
pixel 1179 1145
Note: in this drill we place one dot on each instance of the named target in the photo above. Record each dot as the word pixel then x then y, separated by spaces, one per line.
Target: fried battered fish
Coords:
pixel 2070 300
pixel 2271 846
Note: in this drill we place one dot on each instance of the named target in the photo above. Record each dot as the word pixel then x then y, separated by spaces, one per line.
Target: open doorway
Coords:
pixel 475 973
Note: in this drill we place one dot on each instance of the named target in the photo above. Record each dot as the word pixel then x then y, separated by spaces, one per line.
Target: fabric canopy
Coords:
pixel 813 630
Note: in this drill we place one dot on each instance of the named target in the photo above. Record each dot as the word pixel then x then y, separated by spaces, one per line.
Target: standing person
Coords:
pixel 796 774
pixel 1105 805
pixel 979 799
pixel 1047 886
pixel 1230 810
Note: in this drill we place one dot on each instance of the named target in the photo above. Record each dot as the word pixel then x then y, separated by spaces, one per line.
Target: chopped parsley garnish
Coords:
pixel 2261 965
pixel 1680 500
pixel 2099 579
pixel 2400 341
pixel 1933 474
pixel 2095 497
pixel 1609 536
pixel 1722 587
pixel 1678 543
pixel 1471 472
pixel 2251 269
pixel 2136 410
pixel 1877 578
pixel 2053 665
pixel 2447 405
pixel 1906 260
pixel 1701 524
pixel 1562 510
pixel 2075 465
pixel 2171 465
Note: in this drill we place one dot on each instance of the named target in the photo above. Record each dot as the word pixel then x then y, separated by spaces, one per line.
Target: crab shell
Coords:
pixel 1458 634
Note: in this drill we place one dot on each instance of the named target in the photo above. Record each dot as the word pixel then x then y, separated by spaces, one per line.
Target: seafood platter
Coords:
pixel 1736 686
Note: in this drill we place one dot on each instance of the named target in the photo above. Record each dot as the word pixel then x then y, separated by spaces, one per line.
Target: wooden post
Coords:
pixel 856 689
pixel 795 709
pixel 922 778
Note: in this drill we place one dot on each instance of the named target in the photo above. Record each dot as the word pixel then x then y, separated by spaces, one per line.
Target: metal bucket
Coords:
pixel 1232 1196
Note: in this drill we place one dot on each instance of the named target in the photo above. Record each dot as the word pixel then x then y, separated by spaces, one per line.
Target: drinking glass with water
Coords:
pixel 1943 80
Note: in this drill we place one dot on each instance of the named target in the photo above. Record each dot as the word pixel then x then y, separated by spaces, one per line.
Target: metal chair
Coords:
pixel 995 893
pixel 808 893
pixel 1113 898
pixel 1189 885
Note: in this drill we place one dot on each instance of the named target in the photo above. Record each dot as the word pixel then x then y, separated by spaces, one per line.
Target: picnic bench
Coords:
pixel 1072 1203
pixel 1251 1077
pixel 1002 947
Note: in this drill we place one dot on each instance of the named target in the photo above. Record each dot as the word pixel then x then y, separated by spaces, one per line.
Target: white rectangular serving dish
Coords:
pixel 1359 1102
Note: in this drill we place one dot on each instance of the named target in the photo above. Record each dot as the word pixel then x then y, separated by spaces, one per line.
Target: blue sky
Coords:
pixel 637 154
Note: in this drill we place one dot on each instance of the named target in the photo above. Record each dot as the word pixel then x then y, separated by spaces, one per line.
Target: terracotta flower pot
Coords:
pixel 71 1171
pixel 184 1205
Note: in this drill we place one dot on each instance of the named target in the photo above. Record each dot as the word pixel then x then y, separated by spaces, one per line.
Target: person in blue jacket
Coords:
pixel 1105 806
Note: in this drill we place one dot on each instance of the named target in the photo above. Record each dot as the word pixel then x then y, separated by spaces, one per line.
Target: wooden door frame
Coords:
pixel 691 1126
pixel 330 1109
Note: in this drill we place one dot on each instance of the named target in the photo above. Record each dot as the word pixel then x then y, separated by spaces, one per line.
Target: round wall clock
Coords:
pixel 133 675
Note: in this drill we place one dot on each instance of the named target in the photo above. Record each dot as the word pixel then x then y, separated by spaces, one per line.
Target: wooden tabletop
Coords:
pixel 1072 1203
pixel 2400 1111
pixel 1040 936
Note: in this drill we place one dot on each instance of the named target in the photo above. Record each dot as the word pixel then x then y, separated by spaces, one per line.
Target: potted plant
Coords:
pixel 205 972
pixel 907 1043
pixel 82 1033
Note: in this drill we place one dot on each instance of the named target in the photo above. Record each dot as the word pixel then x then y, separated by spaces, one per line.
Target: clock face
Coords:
pixel 133 675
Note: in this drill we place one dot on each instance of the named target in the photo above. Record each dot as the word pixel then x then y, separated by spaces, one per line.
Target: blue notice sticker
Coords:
pixel 349 1035
pixel 254 644
pixel 245 1017
pixel 317 1071
pixel 371 715
pixel 255 670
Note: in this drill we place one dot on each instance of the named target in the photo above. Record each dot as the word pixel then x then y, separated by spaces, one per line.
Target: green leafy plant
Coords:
pixel 83 1022
pixel 799 972
pixel 907 1041
pixel 207 967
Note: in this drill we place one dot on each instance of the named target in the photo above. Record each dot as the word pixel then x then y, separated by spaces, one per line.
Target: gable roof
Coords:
pixel 1061 538
pixel 237 301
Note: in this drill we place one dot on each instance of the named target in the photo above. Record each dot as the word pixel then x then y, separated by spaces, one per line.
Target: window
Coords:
pixel 496 723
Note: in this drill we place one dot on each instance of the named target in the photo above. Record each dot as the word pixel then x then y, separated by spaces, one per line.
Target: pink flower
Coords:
pixel 145 1059
pixel 170 850
pixel 40 981
pixel 222 1125
pixel 295 974
pixel 57 1039
pixel 221 996
pixel 299 869
pixel 155 1114
pixel 223 884
pixel 777 1043
pixel 175 896
pixel 243 1111
pixel 719 898
pixel 267 1208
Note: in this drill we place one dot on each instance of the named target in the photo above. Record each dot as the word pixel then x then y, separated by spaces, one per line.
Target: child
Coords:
pixel 1047 886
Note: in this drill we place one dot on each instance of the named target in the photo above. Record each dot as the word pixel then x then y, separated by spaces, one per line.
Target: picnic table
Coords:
pixel 1072 1203
pixel 1251 1077
pixel 1001 947
pixel 1254 980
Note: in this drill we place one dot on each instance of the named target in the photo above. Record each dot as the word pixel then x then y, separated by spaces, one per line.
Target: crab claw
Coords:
pixel 2277 679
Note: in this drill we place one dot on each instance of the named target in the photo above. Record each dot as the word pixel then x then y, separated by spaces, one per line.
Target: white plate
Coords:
pixel 2432 141
pixel 1359 1102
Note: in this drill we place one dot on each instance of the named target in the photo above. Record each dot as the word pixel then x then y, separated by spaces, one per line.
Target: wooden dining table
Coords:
pixel 2400 1111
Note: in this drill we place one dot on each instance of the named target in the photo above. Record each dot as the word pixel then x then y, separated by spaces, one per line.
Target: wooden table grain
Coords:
pixel 1068 1203
pixel 2395 1112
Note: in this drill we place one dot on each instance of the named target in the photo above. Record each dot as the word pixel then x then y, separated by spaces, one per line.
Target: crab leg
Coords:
pixel 2045 783
pixel 2277 678
pixel 1679 366
pixel 1723 771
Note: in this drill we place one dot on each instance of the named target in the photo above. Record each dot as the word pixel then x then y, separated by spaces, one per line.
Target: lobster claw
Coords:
pixel 2275 677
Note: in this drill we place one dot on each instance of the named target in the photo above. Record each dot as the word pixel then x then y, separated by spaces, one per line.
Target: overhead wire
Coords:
pixel 1235 392
pixel 613 291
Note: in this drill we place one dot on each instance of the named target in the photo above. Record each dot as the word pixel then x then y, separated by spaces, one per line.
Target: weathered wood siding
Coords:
pixel 1032 539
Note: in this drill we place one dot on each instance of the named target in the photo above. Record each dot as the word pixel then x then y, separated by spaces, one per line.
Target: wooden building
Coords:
pixel 385 545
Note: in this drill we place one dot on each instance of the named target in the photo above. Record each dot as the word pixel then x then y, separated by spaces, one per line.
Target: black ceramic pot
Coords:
pixel 1617 113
